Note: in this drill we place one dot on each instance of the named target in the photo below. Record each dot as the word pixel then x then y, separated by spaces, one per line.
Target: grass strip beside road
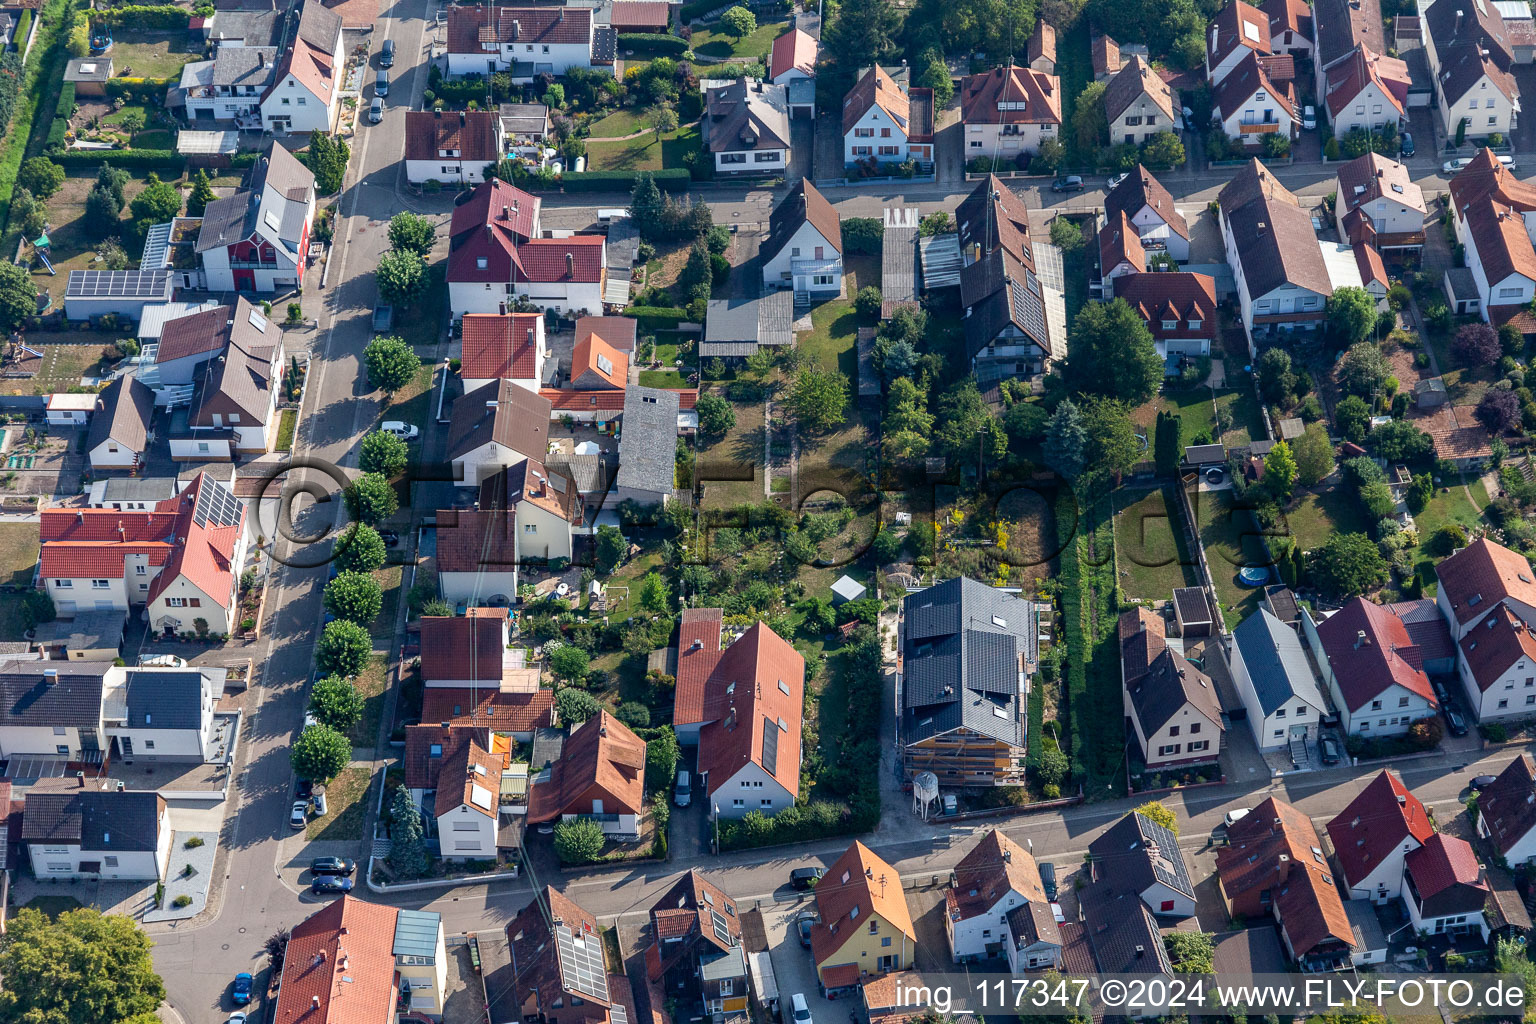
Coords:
pixel 41 77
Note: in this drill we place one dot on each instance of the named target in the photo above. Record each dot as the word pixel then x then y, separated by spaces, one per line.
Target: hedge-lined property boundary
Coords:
pixel 145 16
pixel 61 114
pixel 653 42
pixel 158 158
pixel 672 179
pixel 45 67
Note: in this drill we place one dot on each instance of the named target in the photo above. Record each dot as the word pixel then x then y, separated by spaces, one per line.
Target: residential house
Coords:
pixel 1379 204
pixel 804 247
pixel 477 556
pixel 1269 668
pixel 453 149
pixel 618 331
pixel 746 127
pixel 355 962
pixel 1445 888
pixel 648 446
pixel 1497 666
pixel 1341 28
pixel 547 507
pixel 600 776
pixel 182 560
pixel 1479 578
pixel 1040 51
pixel 469 650
pixel 1180 311
pixel 233 408
pixel 698 653
pixel 968 652
pixel 1506 812
pixel 1120 252
pixel 697 957
pixel 1290 27
pixel 1138 104
pixel 1371 837
pixel 598 366
pixel 1151 209
pixel 1273 864
pixel 793 56
pixel 187 343
pixel 1009 111
pixel 865 927
pixel 1239 30
pixel 1139 857
pixel 1120 932
pixel 499 347
pixel 749 737
pixel 1171 705
pixel 522 41
pixel 1366 90
pixel 1371 668
pixel 884 123
pixel 456 778
pixel 1283 284
pixel 305 94
pixel 257 240
pixel 229 87
pixel 496 426
pixel 1250 102
pixel 995 879
pixel 1470 56
pixel 524 127
pixel 106 835
pixel 1011 286
pixel 1458 436
pixel 119 430
pixel 558 962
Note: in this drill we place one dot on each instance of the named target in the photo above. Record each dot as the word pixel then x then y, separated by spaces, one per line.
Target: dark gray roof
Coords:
pixel 69 697
pixel 88 69
pixel 1169 684
pixel 319 26
pixel 1192 605
pixel 274 200
pixel 746 115
pixel 962 645
pixel 1122 933
pixel 1135 853
pixel 253 28
pixel 223 222
pixel 592 473
pixel 605 44
pixel 99 822
pixel 648 443
pixel 254 66
pixel 123 412
pixel 138 488
pixel 523 118
pixel 1033 922
pixel 1276 663
pixel 87 631
pixel 165 700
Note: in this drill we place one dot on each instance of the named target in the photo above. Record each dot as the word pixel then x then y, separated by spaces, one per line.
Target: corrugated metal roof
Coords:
pixel 939 256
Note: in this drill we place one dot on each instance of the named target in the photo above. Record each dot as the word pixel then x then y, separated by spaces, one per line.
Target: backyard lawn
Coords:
pixel 346 805
pixel 1192 406
pixel 373 684
pixel 1150 547
pixel 142 54
pixel 621 122
pixel 18 561
pixel 713 40
pixel 74 244
pixel 1318 516
pixel 1246 413
pixel 1232 541
pixel 644 153
pixel 1450 504
pixel 740 450
pixel 288 421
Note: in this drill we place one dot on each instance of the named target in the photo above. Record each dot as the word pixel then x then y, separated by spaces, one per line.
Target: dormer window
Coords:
pixel 1169 325
pixel 1194 325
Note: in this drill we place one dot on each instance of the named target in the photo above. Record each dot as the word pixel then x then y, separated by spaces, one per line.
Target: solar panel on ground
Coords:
pixel 581 963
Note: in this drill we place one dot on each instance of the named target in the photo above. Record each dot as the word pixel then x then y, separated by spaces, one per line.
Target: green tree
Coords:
pixel 1400 441
pixel 1277 384
pixel 336 702
pixel 1351 314
pixel 654 593
pixel 570 664
pixel 360 549
pixel 327 157
pixel 1065 441
pixel 1160 814
pixel 40 176
pixel 114 180
pixel 86 967
pixel 1163 151
pixel 202 194
pixel 1348 564
pixel 717 417
pixel 575 706
pixel 1110 353
pixel 343 649
pixel 401 275
pixel 1446 540
pixel 160 201
pixel 661 754
pixel 355 596
pixel 371 499
pixel 1313 455
pixel 18 296
pixel 867 302
pixel 408 847
pixel 908 425
pixel 1280 470
pixel 410 232
pixel 1090 130
pixel 1352 417
pixel 936 76
pixel 320 753
pixel 1048 157
pixel 739 21
pixel 1420 490
pixel 610 548
pixel 102 210
pixel 1112 445
pixel 1066 235
pixel 818 399
pixel 645 205
pixel 391 363
pixel 663 118
pixel 1510 956
pixel 1166 449
pixel 1191 952
pixel 861 32
pixel 634 714
pixel 383 453
pixel 579 841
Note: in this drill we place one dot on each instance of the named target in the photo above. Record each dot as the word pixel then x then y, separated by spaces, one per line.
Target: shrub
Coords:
pixel 672 179
pixel 182 901
pixel 654 43
pixel 578 841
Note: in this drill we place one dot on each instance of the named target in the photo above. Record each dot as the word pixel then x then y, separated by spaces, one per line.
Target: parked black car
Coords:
pixel 332 866
pixel 328 885
pixel 1330 749
pixel 1482 782
pixel 1457 724
pixel 803 928
pixel 804 878
pixel 1048 879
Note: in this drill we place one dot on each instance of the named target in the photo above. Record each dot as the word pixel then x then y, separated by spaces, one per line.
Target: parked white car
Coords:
pixel 398 428
pixel 799 1010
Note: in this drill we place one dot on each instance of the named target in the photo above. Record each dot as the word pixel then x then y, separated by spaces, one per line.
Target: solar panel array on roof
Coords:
pixel 117 284
pixel 722 930
pixel 992 662
pixel 581 963
pixel 216 506
pixel 770 744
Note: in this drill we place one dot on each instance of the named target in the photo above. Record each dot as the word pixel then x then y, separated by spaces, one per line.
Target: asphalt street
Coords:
pixel 252 899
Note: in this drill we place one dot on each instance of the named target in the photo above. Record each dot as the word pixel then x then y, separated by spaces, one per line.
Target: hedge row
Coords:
pixel 141 90
pixel 657 317
pixel 159 158
pixel 61 115
pixel 673 179
pixel 653 42
pixel 245 159
pixel 1069 571
pixel 23 28
pixel 145 16
pixel 699 8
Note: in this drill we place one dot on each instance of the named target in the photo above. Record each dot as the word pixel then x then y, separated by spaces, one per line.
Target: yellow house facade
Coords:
pixel 865 927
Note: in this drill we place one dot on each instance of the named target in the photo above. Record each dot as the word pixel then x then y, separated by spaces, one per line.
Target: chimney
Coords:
pixel 1283 869
pixel 1456 31
pixel 562 15
pixel 461 117
pixel 1361 640
pixel 314 1002
pixel 50 676
pixel 517 30
pixel 570 265
pixel 506 213
pixel 437 114
pixel 80 516
pixel 1007 856
pixel 1140 951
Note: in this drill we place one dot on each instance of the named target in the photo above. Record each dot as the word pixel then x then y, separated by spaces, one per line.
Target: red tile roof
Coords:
pixel 585 359
pixel 1119 243
pixel 1034 97
pixel 602 759
pixel 618 331
pixel 430 134
pixel 753 703
pixel 1366 666
pixel 640 14
pixel 470 775
pixel 578 258
pixel 1237 25
pixel 471 540
pixel 1442 862
pixel 472 646
pixel 340 966
pixel 857 886
pixel 501 346
pixel 1361 68
pixel 1376 823
pixel 1481 575
pixel 698 651
pixel 490 225
pixel 794 49
pixel 426 745
pixel 488 708
pixel 1179 296
pixel 1371 266
pixel 564 400
pixel 1495 644
pixel 1275 847
pixel 469 27
pixel 995 866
